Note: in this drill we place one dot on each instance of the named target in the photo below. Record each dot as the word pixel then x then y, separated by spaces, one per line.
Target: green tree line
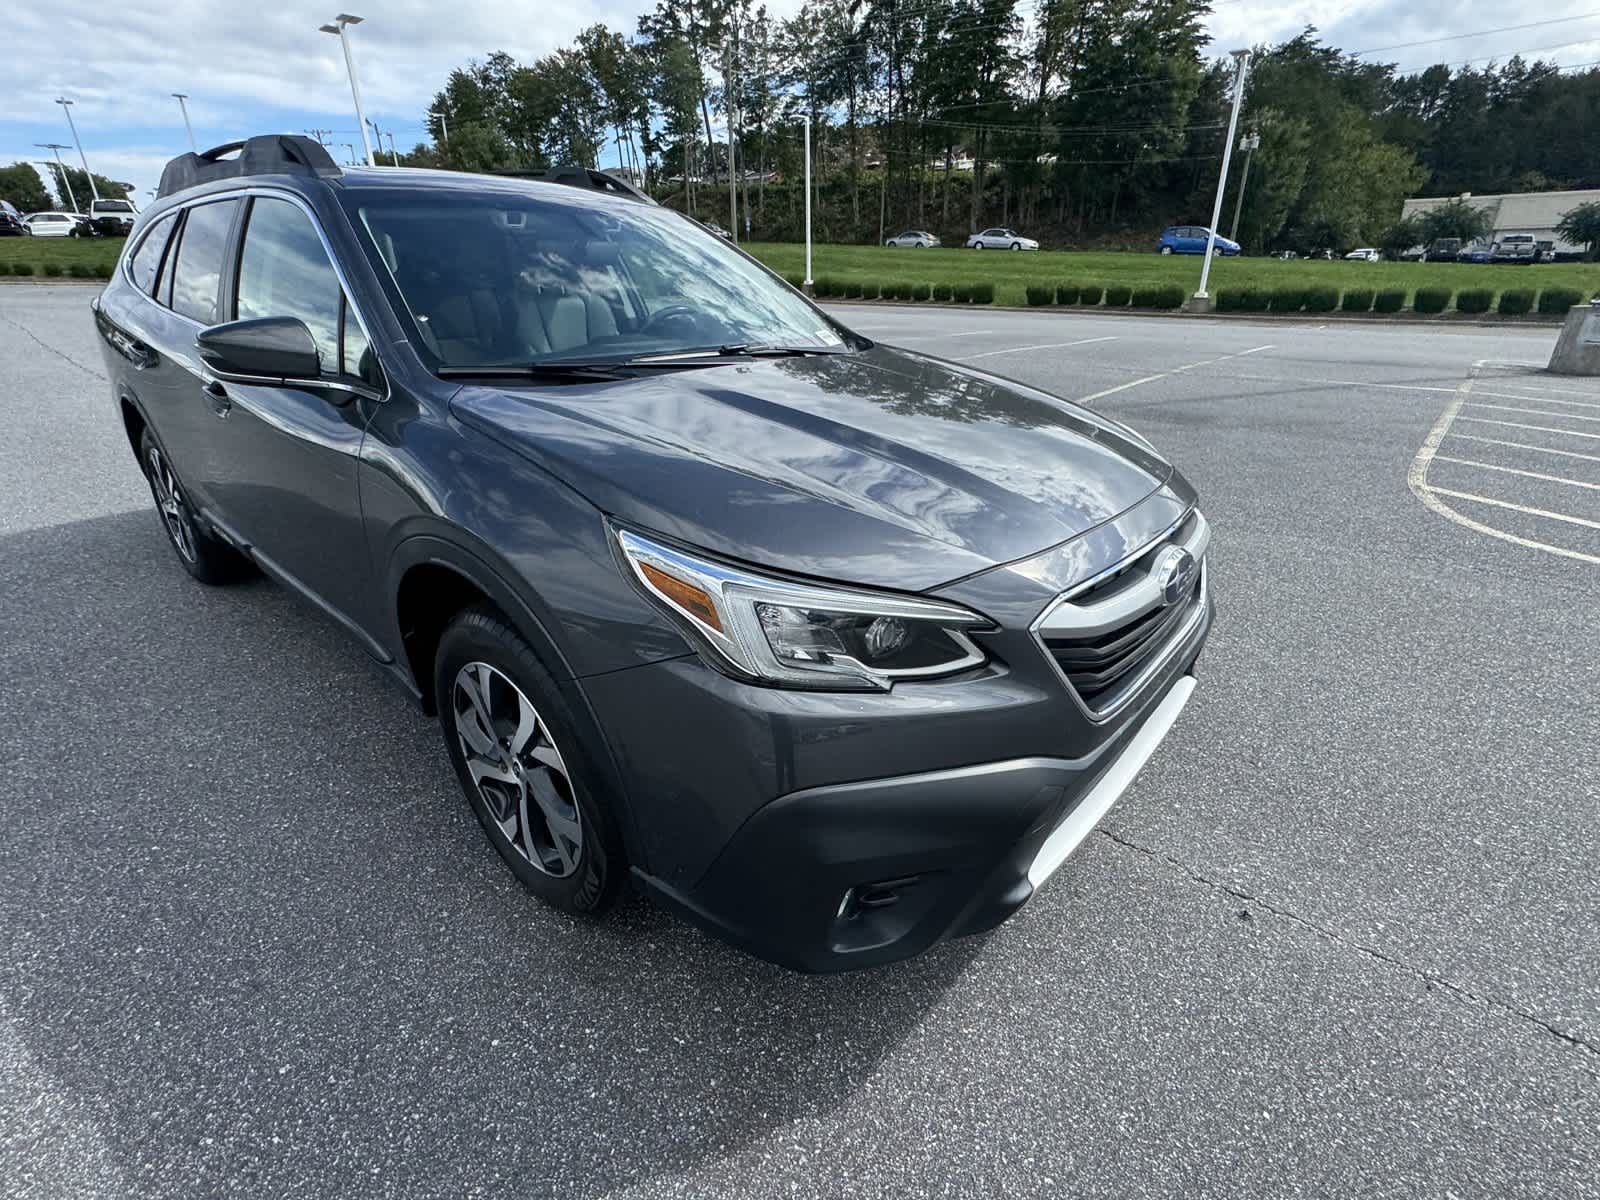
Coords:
pixel 21 185
pixel 1091 120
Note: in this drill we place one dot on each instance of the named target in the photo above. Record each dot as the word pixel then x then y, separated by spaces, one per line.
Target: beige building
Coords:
pixel 1537 213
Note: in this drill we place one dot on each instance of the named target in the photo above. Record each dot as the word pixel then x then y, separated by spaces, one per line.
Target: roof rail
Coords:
pixel 268 154
pixel 576 176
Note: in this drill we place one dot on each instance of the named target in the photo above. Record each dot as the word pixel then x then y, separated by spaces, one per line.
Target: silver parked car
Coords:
pixel 1000 238
pixel 919 239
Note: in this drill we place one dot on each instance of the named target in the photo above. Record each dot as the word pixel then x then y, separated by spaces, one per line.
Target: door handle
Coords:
pixel 218 395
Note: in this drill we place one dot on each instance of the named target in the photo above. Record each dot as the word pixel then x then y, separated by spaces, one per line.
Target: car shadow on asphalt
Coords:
pixel 251 926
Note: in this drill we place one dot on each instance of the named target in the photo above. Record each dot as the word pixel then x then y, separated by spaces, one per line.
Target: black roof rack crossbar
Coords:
pixel 268 154
pixel 576 176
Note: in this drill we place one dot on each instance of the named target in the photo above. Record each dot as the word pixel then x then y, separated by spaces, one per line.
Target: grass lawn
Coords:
pixel 63 252
pixel 1011 273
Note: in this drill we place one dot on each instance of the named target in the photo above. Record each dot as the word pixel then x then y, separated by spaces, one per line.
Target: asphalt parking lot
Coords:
pixel 1339 940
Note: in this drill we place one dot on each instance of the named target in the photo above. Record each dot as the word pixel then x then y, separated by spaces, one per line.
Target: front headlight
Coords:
pixel 804 635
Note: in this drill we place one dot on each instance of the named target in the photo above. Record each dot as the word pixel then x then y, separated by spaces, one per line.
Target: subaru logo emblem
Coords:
pixel 1174 574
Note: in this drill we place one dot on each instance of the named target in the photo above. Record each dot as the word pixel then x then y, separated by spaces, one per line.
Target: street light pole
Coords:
pixel 1242 59
pixel 337 26
pixel 181 97
pixel 808 204
pixel 1248 144
pixel 350 146
pixel 444 126
pixel 56 148
pixel 66 107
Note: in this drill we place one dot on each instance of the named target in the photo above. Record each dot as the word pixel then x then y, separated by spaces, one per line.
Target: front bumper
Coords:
pixel 858 874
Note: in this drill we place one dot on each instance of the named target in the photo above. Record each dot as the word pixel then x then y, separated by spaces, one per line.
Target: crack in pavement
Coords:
pixel 1428 977
pixel 65 357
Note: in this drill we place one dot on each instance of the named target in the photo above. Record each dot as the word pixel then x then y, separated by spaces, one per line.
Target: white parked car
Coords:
pixel 52 224
pixel 1000 238
pixel 1364 254
pixel 919 239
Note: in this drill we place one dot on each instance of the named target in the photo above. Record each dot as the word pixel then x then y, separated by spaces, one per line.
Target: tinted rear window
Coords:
pixel 146 261
pixel 200 252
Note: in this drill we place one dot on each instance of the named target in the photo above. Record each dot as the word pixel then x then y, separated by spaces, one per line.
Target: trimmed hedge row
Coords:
pixel 1512 302
pixel 55 270
pixel 826 287
pixel 1428 300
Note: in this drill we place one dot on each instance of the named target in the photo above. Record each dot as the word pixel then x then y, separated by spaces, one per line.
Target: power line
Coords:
pixel 1456 37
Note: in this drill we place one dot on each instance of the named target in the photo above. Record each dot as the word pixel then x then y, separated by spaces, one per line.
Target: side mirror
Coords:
pixel 268 348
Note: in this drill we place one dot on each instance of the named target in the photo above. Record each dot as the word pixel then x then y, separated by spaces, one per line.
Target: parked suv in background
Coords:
pixel 833 648
pixel 1191 239
pixel 112 218
pixel 55 224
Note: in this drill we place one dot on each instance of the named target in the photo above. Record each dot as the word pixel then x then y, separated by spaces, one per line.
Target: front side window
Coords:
pixel 513 274
pixel 285 272
pixel 198 275
pixel 146 261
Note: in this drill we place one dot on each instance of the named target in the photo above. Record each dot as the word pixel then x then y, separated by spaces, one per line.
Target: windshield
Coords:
pixel 112 206
pixel 510 274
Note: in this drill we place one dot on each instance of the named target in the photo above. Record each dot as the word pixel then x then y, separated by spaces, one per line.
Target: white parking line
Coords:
pixel 1468 462
pixel 1133 383
pixel 1540 428
pixel 1523 508
pixel 1046 346
pixel 1533 412
pixel 1540 400
pixel 1472 437
pixel 1417 481
pixel 1543 391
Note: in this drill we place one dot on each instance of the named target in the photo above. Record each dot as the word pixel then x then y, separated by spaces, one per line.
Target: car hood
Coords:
pixel 880 467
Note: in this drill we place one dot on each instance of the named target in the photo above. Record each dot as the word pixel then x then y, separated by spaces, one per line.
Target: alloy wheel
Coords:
pixel 517 769
pixel 174 508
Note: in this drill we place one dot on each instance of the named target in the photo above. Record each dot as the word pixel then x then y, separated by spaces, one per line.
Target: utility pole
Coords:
pixel 61 172
pixel 808 280
pixel 350 146
pixel 66 107
pixel 1241 59
pixel 321 135
pixel 444 126
pixel 337 26
pixel 1248 143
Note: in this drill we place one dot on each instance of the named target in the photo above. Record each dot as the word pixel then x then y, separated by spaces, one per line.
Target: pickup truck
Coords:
pixel 1517 248
pixel 112 218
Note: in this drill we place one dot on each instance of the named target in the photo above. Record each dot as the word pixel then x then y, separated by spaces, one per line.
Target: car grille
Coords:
pixel 1110 639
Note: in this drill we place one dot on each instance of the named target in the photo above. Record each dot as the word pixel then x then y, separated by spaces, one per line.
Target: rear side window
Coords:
pixel 202 248
pixel 146 261
pixel 285 272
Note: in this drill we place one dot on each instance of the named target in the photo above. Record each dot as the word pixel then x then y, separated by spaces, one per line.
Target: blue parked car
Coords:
pixel 1191 239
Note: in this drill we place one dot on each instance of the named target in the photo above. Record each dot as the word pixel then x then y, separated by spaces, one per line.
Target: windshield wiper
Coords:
pixel 773 350
pixel 596 369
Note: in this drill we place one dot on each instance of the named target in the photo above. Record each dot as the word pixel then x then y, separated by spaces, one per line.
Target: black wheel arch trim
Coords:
pixel 478 568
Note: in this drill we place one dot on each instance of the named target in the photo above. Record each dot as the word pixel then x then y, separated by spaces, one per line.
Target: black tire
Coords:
pixel 481 637
pixel 206 557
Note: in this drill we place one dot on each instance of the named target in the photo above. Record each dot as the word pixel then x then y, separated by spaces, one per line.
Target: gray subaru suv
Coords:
pixel 836 649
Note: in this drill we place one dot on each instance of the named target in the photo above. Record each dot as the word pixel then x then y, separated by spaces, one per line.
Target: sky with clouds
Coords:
pixel 259 70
